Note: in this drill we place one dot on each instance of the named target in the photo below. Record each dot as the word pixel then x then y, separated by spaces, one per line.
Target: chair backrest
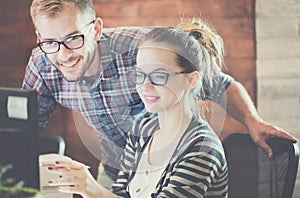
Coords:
pixel 252 174
pixel 49 143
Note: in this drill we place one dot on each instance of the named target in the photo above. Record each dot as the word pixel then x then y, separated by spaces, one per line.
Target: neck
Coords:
pixel 175 120
pixel 173 124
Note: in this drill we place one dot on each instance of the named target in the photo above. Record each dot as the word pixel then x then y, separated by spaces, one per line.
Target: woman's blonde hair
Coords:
pixel 207 37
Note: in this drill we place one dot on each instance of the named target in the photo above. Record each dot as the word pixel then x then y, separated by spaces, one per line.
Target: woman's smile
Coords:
pixel 151 99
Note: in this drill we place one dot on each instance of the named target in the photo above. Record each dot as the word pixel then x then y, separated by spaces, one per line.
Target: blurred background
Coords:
pixel 261 39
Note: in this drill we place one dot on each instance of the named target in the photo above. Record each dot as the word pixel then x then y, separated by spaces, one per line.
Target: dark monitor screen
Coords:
pixel 19 135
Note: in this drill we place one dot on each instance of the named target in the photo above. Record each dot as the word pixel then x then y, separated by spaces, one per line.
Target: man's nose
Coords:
pixel 64 53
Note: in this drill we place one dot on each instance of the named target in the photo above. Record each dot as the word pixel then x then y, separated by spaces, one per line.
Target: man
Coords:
pixel 83 67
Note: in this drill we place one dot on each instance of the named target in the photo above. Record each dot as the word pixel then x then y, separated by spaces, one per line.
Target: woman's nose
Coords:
pixel 147 85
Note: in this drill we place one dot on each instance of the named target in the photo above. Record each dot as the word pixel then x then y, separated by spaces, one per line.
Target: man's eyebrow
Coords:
pixel 72 34
pixel 53 39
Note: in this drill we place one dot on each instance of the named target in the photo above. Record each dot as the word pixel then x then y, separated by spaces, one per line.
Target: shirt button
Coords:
pixel 138 190
pixel 147 172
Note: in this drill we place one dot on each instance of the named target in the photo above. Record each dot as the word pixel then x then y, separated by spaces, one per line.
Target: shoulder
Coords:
pixel 201 138
pixel 38 61
pixel 199 128
pixel 124 38
pixel 38 58
pixel 126 31
pixel 144 127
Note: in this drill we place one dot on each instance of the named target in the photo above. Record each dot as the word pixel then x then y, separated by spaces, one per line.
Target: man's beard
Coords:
pixel 80 72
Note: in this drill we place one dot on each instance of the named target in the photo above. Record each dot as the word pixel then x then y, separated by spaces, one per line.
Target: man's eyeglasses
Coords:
pixel 156 78
pixel 71 43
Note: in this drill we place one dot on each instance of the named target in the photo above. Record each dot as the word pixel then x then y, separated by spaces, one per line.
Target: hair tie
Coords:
pixel 196 34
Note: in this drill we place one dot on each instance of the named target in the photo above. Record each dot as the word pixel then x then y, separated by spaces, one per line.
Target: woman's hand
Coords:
pixel 74 177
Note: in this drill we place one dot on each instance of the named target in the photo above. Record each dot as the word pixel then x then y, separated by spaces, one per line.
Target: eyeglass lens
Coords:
pixel 156 78
pixel 73 42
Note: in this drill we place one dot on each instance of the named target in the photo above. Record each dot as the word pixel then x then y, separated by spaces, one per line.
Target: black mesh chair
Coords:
pixel 252 174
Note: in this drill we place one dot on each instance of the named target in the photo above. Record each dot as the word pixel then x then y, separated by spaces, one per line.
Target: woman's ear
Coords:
pixel 98 27
pixel 193 79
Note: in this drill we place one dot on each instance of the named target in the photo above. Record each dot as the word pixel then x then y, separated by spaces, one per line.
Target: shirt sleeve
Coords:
pixel 33 80
pixel 215 91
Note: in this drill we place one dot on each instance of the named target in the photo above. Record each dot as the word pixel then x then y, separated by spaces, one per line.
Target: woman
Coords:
pixel 173 152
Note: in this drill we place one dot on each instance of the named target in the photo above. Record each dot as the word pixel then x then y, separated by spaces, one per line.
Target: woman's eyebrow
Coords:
pixel 155 70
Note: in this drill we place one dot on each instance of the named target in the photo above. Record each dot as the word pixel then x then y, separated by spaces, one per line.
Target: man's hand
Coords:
pixel 241 107
pixel 261 131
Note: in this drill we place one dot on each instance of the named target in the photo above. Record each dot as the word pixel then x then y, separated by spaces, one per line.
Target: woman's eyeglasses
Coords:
pixel 156 78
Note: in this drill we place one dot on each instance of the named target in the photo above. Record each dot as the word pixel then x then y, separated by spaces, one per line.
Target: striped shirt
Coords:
pixel 197 167
pixel 110 104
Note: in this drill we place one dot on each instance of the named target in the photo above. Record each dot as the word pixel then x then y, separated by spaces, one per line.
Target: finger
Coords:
pixel 66 189
pixel 281 134
pixel 70 189
pixel 266 148
pixel 57 164
pixel 69 173
pixel 75 189
pixel 71 164
pixel 65 181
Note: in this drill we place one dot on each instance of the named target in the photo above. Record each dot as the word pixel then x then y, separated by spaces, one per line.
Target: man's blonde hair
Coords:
pixel 52 8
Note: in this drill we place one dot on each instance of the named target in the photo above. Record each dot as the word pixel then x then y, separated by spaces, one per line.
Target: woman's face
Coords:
pixel 160 98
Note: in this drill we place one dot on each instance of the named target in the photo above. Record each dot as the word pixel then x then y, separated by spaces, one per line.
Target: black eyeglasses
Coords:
pixel 71 43
pixel 156 78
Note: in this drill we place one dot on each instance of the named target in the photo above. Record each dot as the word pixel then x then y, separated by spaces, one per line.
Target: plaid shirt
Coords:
pixel 110 104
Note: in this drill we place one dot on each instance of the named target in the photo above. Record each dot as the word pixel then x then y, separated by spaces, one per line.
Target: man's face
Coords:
pixel 72 63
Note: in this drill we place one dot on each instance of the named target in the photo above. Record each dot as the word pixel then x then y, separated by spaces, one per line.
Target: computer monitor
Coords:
pixel 19 135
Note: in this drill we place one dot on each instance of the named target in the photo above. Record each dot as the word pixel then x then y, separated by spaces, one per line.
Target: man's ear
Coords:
pixel 98 27
pixel 38 36
pixel 193 79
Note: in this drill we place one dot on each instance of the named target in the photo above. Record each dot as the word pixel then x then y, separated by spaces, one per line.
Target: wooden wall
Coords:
pixel 234 20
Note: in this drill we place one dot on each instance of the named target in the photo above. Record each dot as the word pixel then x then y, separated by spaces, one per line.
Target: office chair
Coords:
pixel 252 174
pixel 49 143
